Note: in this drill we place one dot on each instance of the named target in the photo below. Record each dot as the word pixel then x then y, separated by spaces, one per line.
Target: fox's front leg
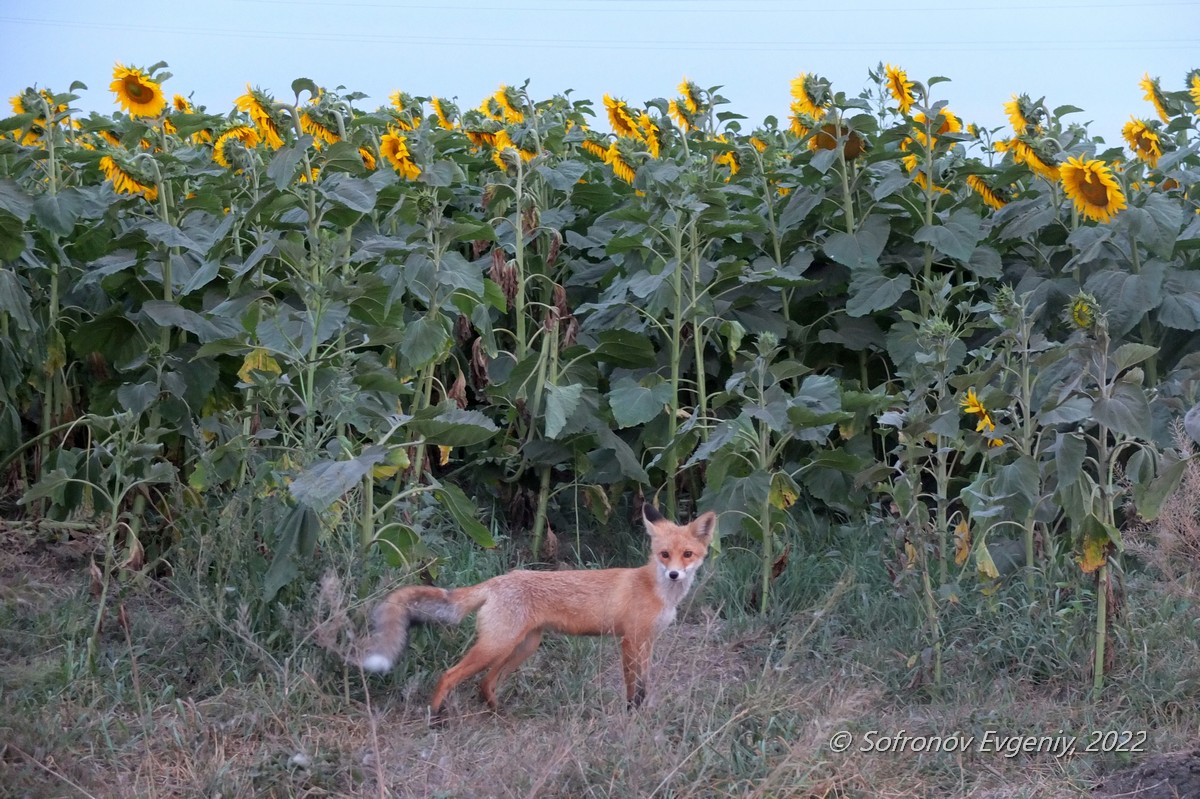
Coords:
pixel 635 663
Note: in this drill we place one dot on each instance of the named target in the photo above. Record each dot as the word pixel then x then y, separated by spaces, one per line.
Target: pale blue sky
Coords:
pixel 1087 54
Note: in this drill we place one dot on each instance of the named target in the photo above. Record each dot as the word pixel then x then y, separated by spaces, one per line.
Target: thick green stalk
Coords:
pixel 671 464
pixel 522 342
pixel 1101 631
pixel 547 375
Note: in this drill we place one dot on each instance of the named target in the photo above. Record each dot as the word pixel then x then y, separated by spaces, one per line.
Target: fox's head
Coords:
pixel 678 550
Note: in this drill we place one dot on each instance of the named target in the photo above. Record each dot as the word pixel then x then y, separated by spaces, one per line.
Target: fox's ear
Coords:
pixel 704 526
pixel 650 516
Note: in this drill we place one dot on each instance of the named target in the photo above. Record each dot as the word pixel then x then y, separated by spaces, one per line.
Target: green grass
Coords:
pixel 209 695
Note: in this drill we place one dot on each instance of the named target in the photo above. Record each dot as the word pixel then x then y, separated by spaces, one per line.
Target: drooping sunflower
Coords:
pixel 810 95
pixel 945 122
pixel 1024 115
pixel 322 130
pixel 800 124
pixel 1143 140
pixel 990 196
pixel 507 148
pixel 394 148
pixel 479 128
pixel 1194 91
pixel 690 93
pixel 1155 96
pixel 620 117
pixel 111 138
pixel 137 93
pixel 595 144
pixel 650 134
pixel 124 181
pixel 244 135
pixel 508 99
pixel 407 110
pixel 827 137
pixel 1091 186
pixel 682 117
pixel 368 158
pixel 728 158
pixel 900 87
pixel 621 165
pixel 758 144
pixel 445 111
pixel 1025 153
pixel 258 106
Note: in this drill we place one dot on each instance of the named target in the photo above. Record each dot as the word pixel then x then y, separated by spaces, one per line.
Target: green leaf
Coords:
pixel 870 291
pixel 425 340
pixel 348 191
pixel 561 402
pixel 58 212
pixel 14 199
pixel 284 164
pixel 297 540
pixel 1128 355
pixel 464 512
pixel 12 237
pixel 1126 297
pixel 15 302
pixel 1180 308
pixel 633 404
pixel 1127 411
pixel 168 314
pixel 624 348
pixel 448 426
pixel 956 237
pixel 861 249
pixel 1150 496
pixel 322 483
pixel 562 176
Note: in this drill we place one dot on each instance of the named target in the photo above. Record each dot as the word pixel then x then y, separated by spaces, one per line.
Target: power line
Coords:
pixel 641 6
pixel 642 46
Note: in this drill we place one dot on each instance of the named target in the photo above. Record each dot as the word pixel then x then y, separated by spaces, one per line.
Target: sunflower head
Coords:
pixel 138 93
pixel 595 144
pixel 1142 137
pixel 991 197
pixel 445 111
pixel 1154 94
pixel 406 110
pixel 899 87
pixel 1091 186
pixel 971 404
pixel 620 117
pixel 126 180
pixel 811 95
pixel 231 146
pixel 945 122
pixel 321 124
pixel 827 137
pixel 728 158
pixel 1083 311
pixel 691 96
pixel 1193 87
pixel 620 158
pixel 509 100
pixel 685 119
pixel 649 131
pixel 260 107
pixel 182 104
pixel 394 147
pixel 1025 116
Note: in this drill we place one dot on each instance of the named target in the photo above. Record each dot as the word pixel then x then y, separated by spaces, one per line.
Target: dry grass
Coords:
pixel 738 708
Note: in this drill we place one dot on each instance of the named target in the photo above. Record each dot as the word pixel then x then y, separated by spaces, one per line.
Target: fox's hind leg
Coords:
pixel 522 651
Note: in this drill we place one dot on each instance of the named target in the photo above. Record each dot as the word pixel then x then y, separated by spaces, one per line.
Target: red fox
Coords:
pixel 514 610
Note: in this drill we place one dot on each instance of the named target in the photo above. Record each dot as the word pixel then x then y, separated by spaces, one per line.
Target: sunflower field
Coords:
pixel 318 327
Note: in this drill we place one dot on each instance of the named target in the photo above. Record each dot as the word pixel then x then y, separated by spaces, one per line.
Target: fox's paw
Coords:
pixel 376 663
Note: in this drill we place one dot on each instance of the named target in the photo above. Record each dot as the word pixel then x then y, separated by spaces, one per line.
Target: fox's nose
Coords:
pixel 674 575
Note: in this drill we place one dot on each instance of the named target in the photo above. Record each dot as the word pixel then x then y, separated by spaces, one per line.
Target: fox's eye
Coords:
pixel 688 554
pixel 665 555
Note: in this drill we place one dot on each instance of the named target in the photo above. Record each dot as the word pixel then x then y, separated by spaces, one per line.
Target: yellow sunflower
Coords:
pixel 945 122
pixel 368 158
pixel 900 87
pixel 758 144
pixel 826 138
pixel 971 404
pixel 445 111
pixel 1024 153
pixel 683 117
pixel 1023 115
pixel 690 94
pixel 650 134
pixel 619 162
pixel 394 148
pixel 619 116
pixel 508 99
pixel 124 182
pixel 181 104
pixel 1154 94
pixel 1091 186
pixel 799 126
pixel 729 158
pixel 990 196
pixel 1194 91
pixel 257 105
pixel 1083 311
pixel 407 114
pixel 1143 140
pixel 244 134
pixel 321 130
pixel 808 95
pixel 594 144
pixel 137 93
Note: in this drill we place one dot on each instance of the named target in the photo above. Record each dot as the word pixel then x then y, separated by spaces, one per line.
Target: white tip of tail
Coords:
pixel 376 663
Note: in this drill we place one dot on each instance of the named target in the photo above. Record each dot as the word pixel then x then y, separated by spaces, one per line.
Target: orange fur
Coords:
pixel 514 610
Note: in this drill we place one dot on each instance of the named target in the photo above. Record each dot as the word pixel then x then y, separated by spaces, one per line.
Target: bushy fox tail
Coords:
pixel 404 607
